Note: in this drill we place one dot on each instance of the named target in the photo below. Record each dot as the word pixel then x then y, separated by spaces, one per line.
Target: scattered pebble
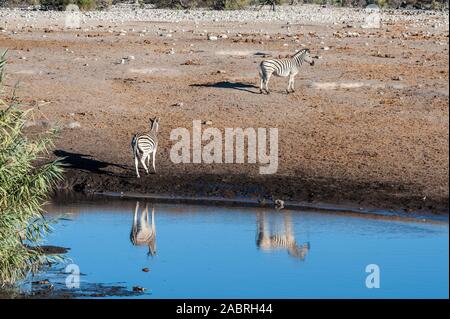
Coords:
pixel 73 124
pixel 279 204
pixel 348 18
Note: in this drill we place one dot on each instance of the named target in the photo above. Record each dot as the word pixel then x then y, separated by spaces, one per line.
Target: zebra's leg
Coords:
pixel 154 159
pixel 263 237
pixel 292 84
pixel 153 218
pixel 142 217
pixel 136 165
pixel 134 227
pixel 288 228
pixel 266 83
pixel 263 78
pixel 153 221
pixel 146 216
pixel 136 209
pixel 143 158
pixel 290 87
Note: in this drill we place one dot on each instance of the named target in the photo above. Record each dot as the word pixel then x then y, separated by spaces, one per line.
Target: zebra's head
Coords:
pixel 308 58
pixel 154 124
pixel 305 55
pixel 300 251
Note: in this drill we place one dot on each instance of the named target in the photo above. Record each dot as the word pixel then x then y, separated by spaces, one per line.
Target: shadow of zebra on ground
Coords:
pixel 229 85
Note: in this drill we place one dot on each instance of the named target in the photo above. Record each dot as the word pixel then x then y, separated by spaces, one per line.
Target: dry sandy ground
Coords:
pixel 367 126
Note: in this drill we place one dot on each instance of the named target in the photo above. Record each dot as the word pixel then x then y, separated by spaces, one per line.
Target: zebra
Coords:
pixel 145 144
pixel 266 240
pixel 283 67
pixel 141 231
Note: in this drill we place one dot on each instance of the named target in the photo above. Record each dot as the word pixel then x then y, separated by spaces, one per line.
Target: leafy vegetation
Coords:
pixel 23 189
pixel 84 5
pixel 59 4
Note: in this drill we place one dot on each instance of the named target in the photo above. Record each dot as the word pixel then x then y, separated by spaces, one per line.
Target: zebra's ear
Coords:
pixel 154 123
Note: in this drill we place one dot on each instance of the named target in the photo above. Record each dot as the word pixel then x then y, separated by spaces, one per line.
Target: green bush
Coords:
pixel 53 4
pixel 231 4
pixel 23 188
pixel 84 5
pixel 439 5
pixel 213 4
pixel 18 3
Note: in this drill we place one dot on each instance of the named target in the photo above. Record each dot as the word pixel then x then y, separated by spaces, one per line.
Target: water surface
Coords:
pixel 217 252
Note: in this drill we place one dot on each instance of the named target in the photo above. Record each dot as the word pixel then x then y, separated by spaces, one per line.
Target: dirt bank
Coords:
pixel 368 124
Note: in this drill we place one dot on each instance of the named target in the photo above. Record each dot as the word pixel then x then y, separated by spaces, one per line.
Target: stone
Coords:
pixel 279 204
pixel 73 124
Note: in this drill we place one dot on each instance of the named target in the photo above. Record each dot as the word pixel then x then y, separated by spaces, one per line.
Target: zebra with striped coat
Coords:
pixel 283 67
pixel 268 240
pixel 144 145
pixel 142 233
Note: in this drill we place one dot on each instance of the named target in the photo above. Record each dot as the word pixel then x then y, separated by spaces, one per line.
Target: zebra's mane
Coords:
pixel 300 53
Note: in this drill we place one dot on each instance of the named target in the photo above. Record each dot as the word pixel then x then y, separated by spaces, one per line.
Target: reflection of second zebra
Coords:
pixel 267 240
pixel 142 233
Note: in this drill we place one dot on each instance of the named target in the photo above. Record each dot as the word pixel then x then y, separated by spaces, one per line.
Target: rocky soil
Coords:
pixel 367 126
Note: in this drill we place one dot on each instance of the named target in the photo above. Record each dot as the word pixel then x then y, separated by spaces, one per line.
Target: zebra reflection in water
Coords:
pixel 142 233
pixel 268 240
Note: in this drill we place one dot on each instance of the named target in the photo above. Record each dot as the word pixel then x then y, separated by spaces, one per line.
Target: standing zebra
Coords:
pixel 283 67
pixel 145 144
pixel 142 233
pixel 267 240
